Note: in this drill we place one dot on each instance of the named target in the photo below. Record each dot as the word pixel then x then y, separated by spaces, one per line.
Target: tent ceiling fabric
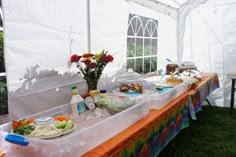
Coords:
pixel 158 6
pixel 169 3
pixel 173 3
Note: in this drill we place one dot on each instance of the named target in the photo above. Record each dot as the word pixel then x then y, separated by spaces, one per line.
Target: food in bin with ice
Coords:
pixel 191 73
pixel 118 102
pixel 45 131
pixel 129 82
pixel 43 127
pixel 191 77
pixel 138 88
pixel 23 127
pixel 133 87
pixel 63 123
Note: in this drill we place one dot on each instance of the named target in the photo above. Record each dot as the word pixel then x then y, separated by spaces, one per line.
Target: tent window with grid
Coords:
pixel 142 44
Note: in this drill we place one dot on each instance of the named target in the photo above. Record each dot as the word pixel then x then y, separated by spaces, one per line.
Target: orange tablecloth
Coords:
pixel 151 134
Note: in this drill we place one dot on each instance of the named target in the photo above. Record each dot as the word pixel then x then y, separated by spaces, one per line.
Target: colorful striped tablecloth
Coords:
pixel 203 89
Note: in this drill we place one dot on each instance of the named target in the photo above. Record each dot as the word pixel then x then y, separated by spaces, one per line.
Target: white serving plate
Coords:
pixel 60 132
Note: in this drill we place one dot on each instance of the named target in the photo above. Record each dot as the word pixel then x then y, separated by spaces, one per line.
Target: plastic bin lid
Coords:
pixel 130 76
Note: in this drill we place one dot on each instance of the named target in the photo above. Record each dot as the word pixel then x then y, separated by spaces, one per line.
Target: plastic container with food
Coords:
pixel 76 142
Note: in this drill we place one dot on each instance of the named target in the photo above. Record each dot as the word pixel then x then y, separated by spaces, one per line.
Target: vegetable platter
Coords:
pixel 43 127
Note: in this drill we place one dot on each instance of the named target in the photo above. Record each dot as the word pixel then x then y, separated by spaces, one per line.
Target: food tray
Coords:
pixel 59 133
pixel 77 142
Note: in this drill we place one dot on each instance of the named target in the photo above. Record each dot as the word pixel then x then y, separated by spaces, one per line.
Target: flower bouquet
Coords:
pixel 91 66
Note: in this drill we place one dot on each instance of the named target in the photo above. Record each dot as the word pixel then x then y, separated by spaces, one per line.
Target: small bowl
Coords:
pixel 44 121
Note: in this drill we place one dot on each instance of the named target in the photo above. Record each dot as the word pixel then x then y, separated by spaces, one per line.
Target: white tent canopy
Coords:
pixel 40 36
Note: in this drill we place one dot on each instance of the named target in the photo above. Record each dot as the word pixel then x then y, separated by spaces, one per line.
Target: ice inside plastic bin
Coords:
pixel 158 100
pixel 79 141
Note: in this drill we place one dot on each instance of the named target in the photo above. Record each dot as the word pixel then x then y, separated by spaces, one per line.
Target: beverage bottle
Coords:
pixel 77 102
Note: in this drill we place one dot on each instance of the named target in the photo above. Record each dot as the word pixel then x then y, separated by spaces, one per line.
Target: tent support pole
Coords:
pixel 88 27
pixel 177 37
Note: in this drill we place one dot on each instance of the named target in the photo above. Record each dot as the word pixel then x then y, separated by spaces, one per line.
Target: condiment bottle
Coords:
pixel 77 102
pixel 89 102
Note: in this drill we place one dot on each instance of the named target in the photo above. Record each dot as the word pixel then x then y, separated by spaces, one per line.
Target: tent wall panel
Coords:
pixel 212 39
pixel 40 37
pixel 109 26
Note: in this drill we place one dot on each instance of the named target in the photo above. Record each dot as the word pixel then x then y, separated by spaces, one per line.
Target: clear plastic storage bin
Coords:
pixel 158 100
pixel 77 142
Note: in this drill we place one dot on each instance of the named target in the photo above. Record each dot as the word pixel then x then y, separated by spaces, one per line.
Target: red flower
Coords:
pixel 92 65
pixel 110 57
pixel 87 55
pixel 74 58
pixel 104 59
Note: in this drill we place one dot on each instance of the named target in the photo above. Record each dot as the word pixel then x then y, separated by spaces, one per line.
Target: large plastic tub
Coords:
pixel 158 100
pixel 79 141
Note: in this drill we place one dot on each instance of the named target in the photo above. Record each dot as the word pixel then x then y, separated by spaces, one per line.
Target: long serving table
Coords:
pixel 151 134
pixel 148 136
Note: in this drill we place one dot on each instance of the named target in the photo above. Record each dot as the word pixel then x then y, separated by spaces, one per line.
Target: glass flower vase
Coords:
pixel 92 84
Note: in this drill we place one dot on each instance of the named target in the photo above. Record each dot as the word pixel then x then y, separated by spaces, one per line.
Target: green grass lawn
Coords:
pixel 213 134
